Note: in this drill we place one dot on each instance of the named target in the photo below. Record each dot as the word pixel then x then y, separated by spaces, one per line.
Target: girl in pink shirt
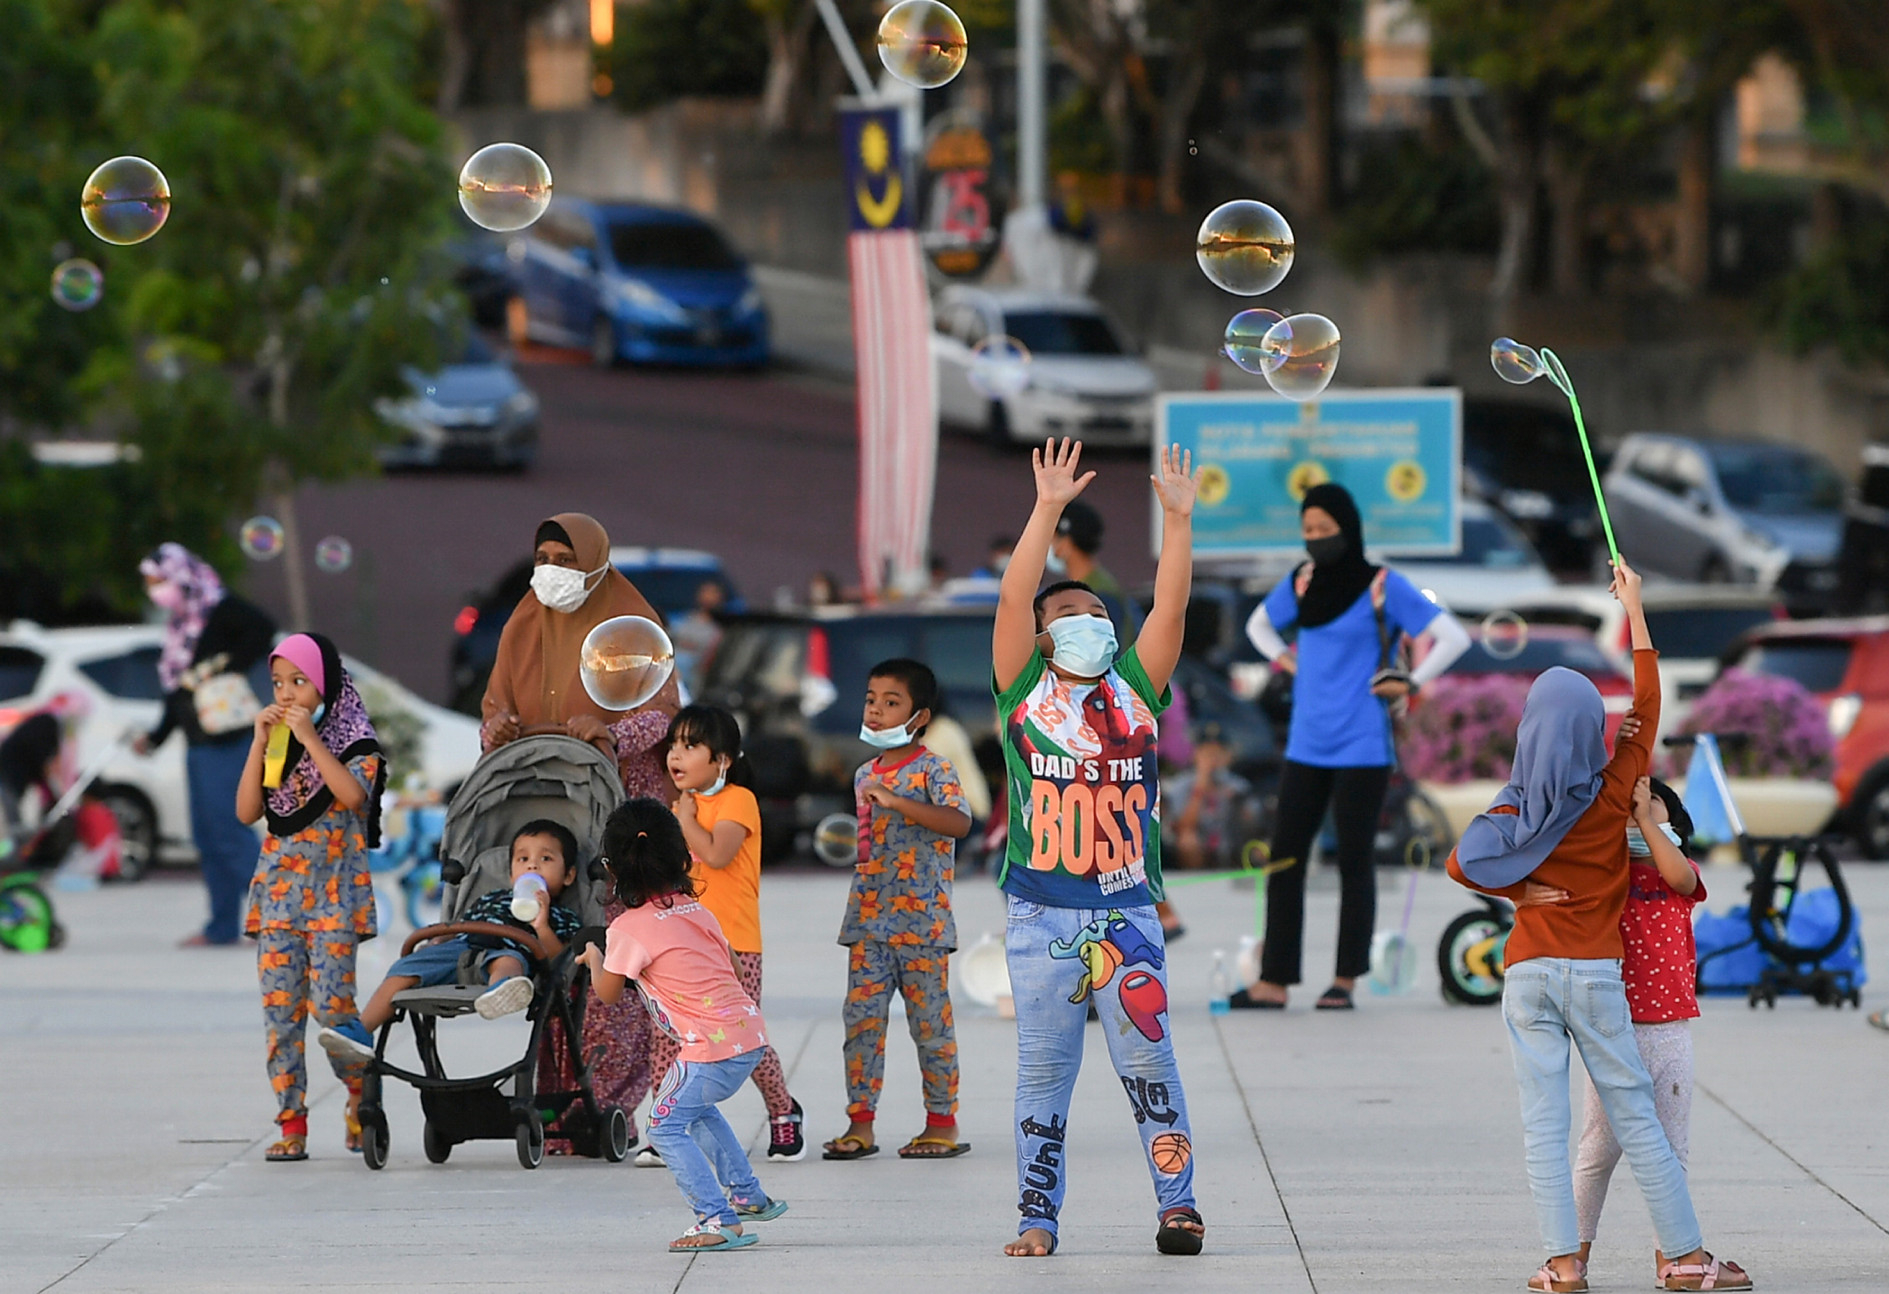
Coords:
pixel 673 949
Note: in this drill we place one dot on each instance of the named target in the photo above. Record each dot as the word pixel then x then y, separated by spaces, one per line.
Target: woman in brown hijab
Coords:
pixel 535 681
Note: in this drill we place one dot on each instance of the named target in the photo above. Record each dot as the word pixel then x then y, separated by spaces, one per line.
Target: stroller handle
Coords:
pixel 523 938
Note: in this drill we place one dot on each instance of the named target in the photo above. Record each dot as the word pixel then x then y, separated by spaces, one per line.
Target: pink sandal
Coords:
pixel 1712 1274
pixel 1546 1282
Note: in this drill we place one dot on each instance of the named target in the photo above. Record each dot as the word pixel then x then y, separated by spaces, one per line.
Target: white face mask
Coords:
pixel 561 588
pixel 1084 645
pixel 1054 564
pixel 1636 840
pixel 887 738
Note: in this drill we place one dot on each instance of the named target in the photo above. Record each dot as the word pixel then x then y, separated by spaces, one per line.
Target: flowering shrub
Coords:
pixel 1464 728
pixel 1785 731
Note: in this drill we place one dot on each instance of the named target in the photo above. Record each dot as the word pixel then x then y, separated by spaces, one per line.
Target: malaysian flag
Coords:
pixel 898 416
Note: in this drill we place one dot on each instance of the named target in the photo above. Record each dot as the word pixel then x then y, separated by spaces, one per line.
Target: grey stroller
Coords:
pixel 538 776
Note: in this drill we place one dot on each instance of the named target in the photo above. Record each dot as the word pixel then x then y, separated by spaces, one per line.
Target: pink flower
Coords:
pixel 1464 728
pixel 1767 726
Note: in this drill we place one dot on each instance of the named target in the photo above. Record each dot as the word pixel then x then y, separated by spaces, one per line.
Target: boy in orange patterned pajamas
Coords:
pixel 898 917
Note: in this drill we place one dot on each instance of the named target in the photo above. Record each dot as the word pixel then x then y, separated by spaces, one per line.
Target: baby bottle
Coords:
pixel 529 894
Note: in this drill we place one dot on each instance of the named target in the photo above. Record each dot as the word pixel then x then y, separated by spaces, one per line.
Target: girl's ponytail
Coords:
pixel 645 853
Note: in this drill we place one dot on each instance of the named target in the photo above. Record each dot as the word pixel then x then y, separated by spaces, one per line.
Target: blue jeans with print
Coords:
pixel 1545 1002
pixel 695 1140
pixel 227 850
pixel 1060 959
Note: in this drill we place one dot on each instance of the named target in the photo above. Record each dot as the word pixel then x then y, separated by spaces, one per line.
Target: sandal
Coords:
pixel 933 1148
pixel 1173 1236
pixel 1335 999
pixel 1880 1019
pixel 838 1148
pixel 721 1239
pixel 1712 1274
pixel 351 1116
pixel 1546 1280
pixel 293 1145
pixel 1243 1000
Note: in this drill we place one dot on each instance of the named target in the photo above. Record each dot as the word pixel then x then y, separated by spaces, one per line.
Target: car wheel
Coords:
pixel 1870 814
pixel 1715 571
pixel 603 342
pixel 137 829
pixel 997 425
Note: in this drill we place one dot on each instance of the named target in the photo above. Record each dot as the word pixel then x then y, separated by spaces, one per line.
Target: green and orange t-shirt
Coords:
pixel 1084 786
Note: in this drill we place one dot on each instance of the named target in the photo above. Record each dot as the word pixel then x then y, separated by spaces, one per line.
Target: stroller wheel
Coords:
pixel 530 1139
pixel 374 1138
pixel 438 1147
pixel 27 924
pixel 614 1136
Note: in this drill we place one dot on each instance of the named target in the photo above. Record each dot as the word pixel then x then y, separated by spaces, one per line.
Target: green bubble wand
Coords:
pixel 1519 364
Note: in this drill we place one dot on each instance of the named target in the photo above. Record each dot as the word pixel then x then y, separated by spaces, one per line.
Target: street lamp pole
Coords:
pixel 1032 117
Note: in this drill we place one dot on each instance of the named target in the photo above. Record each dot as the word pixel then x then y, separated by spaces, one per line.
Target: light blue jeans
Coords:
pixel 1059 959
pixel 695 1140
pixel 1545 1002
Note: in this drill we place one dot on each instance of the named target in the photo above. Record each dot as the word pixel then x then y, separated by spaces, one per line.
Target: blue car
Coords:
pixel 651 285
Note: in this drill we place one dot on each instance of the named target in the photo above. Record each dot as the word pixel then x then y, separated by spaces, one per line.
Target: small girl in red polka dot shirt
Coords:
pixel 1660 970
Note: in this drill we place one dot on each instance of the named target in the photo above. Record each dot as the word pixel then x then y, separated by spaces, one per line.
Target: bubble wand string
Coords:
pixel 1558 374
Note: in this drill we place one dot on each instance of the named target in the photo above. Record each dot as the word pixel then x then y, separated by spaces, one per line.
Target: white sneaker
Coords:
pixel 507 997
pixel 649 1157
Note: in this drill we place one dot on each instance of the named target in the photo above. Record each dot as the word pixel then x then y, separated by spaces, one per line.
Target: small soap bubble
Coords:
pixel 1245 331
pixel 1504 635
pixel 503 187
pixel 77 285
pixel 1301 352
pixel 261 539
pixel 921 42
pixel 625 661
pixel 334 555
pixel 1244 247
pixel 1514 362
pixel 125 201
pixel 1000 368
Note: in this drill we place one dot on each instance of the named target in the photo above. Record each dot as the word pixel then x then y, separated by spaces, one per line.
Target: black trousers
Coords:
pixel 1356 797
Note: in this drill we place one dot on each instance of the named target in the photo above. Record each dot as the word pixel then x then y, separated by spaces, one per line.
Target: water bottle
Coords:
pixel 1220 986
pixel 529 894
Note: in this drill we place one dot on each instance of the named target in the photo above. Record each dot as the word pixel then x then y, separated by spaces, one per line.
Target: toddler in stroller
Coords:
pixel 537 805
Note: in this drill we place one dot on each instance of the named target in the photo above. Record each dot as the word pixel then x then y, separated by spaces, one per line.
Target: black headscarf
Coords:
pixel 1335 585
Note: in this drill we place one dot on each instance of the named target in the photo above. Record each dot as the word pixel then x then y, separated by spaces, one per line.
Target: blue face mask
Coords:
pixel 320 710
pixel 887 738
pixel 721 780
pixel 1083 645
pixel 1636 840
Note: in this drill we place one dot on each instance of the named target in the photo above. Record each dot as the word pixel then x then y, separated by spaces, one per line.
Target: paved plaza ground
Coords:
pixel 1379 1151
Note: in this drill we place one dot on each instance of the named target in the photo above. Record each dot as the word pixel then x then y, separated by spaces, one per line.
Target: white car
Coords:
pixel 1496 569
pixel 1084 378
pixel 114 670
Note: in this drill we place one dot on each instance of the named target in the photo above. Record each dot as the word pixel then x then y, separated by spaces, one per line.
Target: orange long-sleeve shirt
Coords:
pixel 1590 863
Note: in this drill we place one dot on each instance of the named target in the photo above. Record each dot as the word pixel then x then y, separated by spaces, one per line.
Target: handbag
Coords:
pixel 225 702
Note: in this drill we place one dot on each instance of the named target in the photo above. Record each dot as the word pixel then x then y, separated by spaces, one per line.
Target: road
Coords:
pixel 759 468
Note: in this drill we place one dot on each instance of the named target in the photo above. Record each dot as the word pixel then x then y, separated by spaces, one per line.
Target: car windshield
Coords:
pixel 1818 663
pixel 477 349
pixel 1058 332
pixel 1539 653
pixel 1492 543
pixel 1701 633
pixel 671 246
pixel 1772 478
pixel 19 672
pixel 672 589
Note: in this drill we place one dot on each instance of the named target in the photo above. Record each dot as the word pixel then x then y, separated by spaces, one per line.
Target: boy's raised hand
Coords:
pixel 1175 482
pixel 1055 468
pixel 1626 586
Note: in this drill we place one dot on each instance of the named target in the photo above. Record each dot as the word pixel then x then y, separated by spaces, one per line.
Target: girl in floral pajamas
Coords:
pixel 311 901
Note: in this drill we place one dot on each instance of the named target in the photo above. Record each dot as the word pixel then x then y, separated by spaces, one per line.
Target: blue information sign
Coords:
pixel 1398 452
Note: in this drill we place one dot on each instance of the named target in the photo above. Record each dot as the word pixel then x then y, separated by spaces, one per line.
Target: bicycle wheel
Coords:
pixel 1469 957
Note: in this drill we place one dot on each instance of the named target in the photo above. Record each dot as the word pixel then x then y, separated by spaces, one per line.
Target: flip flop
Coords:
pixel 951 1149
pixel 1173 1238
pixel 1242 1000
pixel 722 1239
pixel 860 1150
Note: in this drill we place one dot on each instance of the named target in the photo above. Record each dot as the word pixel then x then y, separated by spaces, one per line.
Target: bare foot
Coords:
pixel 1034 1243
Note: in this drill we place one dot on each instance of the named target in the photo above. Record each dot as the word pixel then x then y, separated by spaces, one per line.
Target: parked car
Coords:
pixel 1526 458
pixel 651 285
pixel 1084 376
pixel 668 577
pixel 1496 568
pixel 1845 665
pixel 472 413
pixel 114 670
pixel 1692 626
pixel 1546 647
pixel 1729 511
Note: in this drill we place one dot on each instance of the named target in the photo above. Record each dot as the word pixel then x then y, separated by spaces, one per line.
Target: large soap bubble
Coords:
pixel 77 285
pixel 125 201
pixel 1000 368
pixel 1504 634
pixel 261 539
pixel 1245 247
pixel 625 661
pixel 1514 362
pixel 503 187
pixel 921 42
pixel 1245 333
pixel 1301 352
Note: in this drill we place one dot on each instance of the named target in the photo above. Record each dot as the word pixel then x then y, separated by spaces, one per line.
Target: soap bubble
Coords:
pixel 1301 354
pixel 1245 331
pixel 1514 362
pixel 1244 247
pixel 334 555
pixel 1504 635
pixel 1000 368
pixel 503 187
pixel 836 840
pixel 625 661
pixel 261 538
pixel 77 285
pixel 921 42
pixel 125 201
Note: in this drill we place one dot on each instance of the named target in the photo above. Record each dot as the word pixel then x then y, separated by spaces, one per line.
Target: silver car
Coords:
pixel 1729 511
